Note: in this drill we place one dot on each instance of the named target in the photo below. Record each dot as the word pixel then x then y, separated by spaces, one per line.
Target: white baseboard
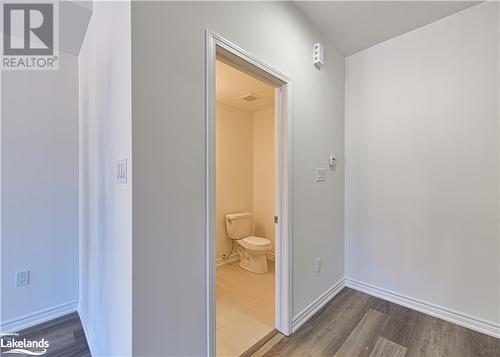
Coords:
pixel 471 322
pixel 89 332
pixel 316 305
pixel 271 256
pixel 232 258
pixel 38 317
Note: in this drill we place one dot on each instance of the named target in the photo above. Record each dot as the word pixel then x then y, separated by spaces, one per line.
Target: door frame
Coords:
pixel 218 47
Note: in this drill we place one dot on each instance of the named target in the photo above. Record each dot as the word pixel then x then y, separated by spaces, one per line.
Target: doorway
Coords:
pixel 245 210
pixel 235 257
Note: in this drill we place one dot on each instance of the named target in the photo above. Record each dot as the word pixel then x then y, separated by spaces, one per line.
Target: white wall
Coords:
pixel 168 74
pixel 264 161
pixel 39 146
pixel 106 207
pixel 422 164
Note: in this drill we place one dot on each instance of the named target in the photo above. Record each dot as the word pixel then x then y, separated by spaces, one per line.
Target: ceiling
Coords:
pixel 353 26
pixel 232 85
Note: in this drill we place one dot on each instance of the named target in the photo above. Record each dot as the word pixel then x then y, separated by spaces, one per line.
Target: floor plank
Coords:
pixel 356 324
pixel 386 348
pixel 364 337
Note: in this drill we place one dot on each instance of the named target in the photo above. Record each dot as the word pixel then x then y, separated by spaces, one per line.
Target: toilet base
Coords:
pixel 254 263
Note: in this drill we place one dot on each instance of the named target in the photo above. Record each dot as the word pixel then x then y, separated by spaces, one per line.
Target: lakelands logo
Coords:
pixel 10 344
pixel 30 36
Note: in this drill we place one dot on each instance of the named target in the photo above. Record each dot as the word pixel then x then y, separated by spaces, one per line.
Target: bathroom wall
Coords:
pixel 245 171
pixel 422 152
pixel 234 155
pixel 264 175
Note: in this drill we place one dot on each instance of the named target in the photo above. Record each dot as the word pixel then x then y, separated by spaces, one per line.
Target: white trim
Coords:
pixel 459 318
pixel 231 52
pixel 38 317
pixel 210 193
pixel 232 258
pixel 247 57
pixel 284 228
pixel 89 332
pixel 316 305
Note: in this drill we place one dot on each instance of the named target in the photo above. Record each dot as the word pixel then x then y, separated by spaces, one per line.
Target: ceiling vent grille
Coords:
pixel 250 97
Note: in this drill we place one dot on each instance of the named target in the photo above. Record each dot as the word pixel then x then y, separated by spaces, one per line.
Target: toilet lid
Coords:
pixel 257 241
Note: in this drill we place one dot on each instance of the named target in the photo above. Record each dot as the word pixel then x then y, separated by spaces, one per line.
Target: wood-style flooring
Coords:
pixel 356 324
pixel 351 324
pixel 64 334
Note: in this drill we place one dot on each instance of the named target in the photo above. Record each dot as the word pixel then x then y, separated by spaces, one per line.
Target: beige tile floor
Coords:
pixel 245 308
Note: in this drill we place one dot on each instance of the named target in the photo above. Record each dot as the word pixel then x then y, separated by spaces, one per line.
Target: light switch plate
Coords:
pixel 121 171
pixel 321 174
pixel 22 278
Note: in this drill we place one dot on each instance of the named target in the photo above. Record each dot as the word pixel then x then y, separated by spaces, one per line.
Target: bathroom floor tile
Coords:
pixel 245 308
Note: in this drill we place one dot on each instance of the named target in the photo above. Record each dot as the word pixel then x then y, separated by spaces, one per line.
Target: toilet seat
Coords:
pixel 255 243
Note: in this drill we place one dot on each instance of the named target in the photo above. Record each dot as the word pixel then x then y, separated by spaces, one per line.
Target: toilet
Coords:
pixel 252 250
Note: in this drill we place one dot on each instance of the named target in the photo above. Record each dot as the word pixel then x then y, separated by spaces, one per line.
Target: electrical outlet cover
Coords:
pixel 318 265
pixel 321 174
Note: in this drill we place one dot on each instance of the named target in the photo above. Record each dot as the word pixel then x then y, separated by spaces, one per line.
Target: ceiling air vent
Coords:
pixel 250 97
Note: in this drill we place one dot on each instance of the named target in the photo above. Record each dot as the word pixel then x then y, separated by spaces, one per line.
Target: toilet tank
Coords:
pixel 239 225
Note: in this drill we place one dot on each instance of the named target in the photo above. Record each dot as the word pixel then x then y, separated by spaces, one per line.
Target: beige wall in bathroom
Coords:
pixel 245 170
pixel 263 173
pixel 234 181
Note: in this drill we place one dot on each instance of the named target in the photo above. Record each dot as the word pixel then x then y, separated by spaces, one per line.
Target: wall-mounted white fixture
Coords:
pixel 318 55
pixel 121 171
pixel 332 161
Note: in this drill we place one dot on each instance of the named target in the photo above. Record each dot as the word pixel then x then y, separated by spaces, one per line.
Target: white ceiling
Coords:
pixel 232 85
pixel 353 26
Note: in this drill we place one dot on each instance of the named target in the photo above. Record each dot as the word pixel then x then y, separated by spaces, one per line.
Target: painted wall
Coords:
pixel 106 207
pixel 39 184
pixel 235 173
pixel 422 164
pixel 263 174
pixel 245 171
pixel 168 103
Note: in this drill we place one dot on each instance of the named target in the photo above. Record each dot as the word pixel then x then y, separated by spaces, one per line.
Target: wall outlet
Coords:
pixel 318 265
pixel 321 174
pixel 22 278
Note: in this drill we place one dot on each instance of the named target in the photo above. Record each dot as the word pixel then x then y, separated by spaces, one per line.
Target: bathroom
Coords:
pixel 245 210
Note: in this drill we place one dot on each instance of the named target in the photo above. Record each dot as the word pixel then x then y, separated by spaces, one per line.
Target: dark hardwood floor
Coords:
pixel 352 324
pixel 357 324
pixel 64 334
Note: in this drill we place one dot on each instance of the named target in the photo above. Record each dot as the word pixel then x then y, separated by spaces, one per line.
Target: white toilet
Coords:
pixel 252 250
